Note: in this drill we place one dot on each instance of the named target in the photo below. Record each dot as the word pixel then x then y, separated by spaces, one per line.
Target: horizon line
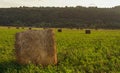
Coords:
pixel 59 6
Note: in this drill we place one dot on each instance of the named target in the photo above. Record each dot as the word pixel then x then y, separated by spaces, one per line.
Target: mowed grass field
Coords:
pixel 98 52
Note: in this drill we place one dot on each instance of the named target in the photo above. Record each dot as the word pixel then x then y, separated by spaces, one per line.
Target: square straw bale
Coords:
pixel 36 46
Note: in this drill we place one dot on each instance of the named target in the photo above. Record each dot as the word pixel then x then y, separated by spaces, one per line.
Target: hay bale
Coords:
pixel 88 31
pixel 36 46
pixel 30 28
pixel 22 27
pixel 59 30
pixel 9 27
pixel 44 28
pixel 17 27
pixel 96 28
pixel 77 28
pixel 71 28
pixel 81 28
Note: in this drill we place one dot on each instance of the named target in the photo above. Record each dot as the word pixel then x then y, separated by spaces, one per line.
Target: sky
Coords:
pixel 58 3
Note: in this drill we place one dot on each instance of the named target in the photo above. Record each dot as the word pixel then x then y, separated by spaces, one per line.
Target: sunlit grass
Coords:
pixel 98 52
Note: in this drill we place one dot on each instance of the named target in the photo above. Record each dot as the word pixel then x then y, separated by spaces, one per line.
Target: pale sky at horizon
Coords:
pixel 58 3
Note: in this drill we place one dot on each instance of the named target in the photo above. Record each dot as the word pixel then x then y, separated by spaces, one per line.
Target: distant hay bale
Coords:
pixel 17 27
pixel 96 28
pixel 44 28
pixel 71 28
pixel 36 46
pixel 81 28
pixel 22 27
pixel 30 28
pixel 88 31
pixel 59 30
pixel 77 28
pixel 8 27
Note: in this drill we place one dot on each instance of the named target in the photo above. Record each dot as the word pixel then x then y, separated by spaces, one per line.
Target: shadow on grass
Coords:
pixel 6 67
pixel 13 67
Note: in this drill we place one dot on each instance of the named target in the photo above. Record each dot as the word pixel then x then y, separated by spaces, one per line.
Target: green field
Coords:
pixel 77 52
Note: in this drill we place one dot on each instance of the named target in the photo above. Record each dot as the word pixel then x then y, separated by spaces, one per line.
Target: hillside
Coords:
pixel 81 17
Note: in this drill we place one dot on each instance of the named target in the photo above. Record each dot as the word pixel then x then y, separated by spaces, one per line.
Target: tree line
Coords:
pixel 61 17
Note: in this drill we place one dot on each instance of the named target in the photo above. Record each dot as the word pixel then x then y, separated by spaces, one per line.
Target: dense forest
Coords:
pixel 69 17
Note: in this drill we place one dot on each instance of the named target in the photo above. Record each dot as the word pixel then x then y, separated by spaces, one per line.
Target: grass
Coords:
pixel 78 52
